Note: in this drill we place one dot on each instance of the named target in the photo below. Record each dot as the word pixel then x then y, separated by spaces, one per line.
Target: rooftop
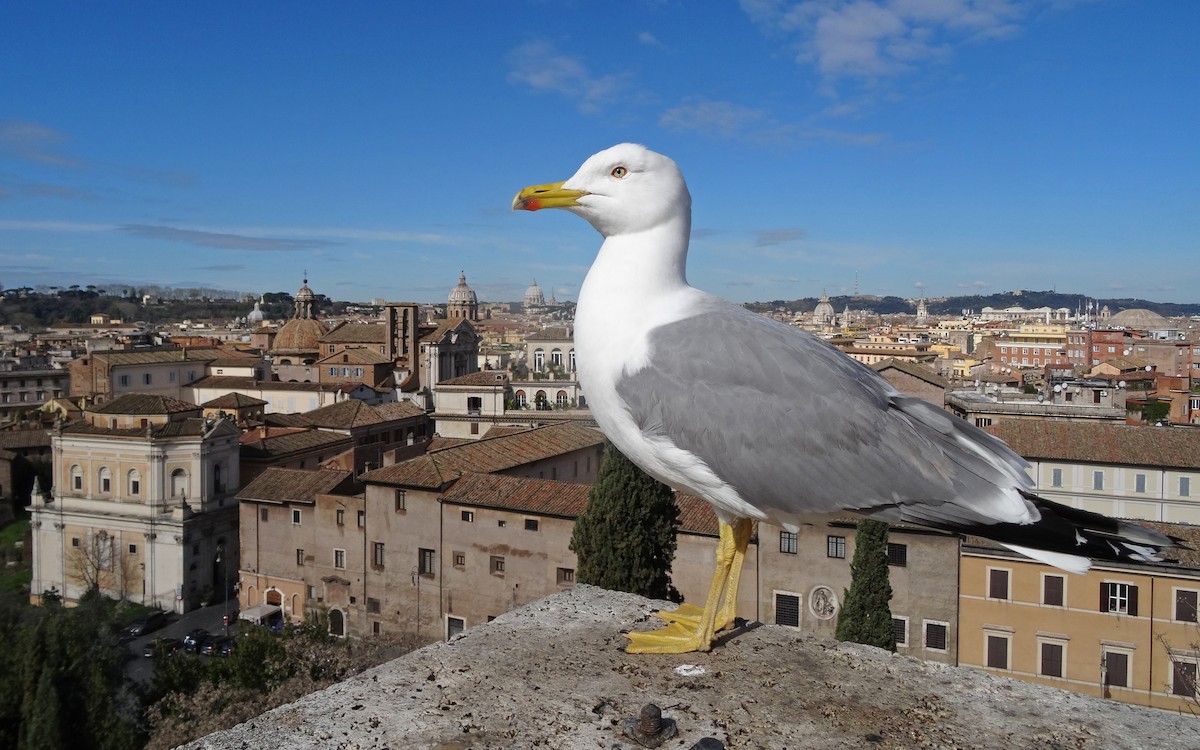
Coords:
pixel 1097 443
pixel 553 674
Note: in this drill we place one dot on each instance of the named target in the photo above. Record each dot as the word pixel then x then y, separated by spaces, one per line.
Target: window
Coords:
pixel 135 482
pixel 897 555
pixel 295 517
pixel 997 583
pixel 835 546
pixel 146 379
pixel 74 541
pixel 787 542
pixel 1115 667
pixel 401 501
pixel 1183 678
pixel 539 360
pixel 564 575
pixel 900 630
pixel 454 626
pixel 373 606
pixel 1185 605
pixel 133 549
pixel 1097 480
pixel 425 562
pixel 377 554
pixel 341 517
pixel 474 405
pixel 105 480
pixel 468 516
pixel 997 651
pixel 1139 483
pixel 460 559
pixel 1185 486
pixel 362 518
pixel 339 559
pixel 936 635
pixel 1050 659
pixel 531 524
pixel 123 380
pixel 1118 597
pixel 496 566
pixel 1053 590
pixel 1056 478
pixel 787 610
pixel 501 523
pixel 77 478
pixel 262 514
pixel 299 556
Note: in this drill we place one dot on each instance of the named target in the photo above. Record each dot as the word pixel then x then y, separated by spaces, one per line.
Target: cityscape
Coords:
pixel 416 469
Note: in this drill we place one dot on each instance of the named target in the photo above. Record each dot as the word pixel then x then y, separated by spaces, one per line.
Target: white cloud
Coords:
pixel 541 67
pixel 736 122
pixel 35 142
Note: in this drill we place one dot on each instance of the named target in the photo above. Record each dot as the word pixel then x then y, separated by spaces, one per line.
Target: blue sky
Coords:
pixel 910 146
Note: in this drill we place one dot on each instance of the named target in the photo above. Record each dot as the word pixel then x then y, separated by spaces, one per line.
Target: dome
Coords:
pixel 463 294
pixel 533 296
pixel 256 316
pixel 1141 319
pixel 824 313
pixel 298 336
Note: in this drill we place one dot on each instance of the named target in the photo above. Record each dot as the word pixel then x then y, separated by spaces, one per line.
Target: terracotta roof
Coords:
pixel 276 485
pixel 696 515
pixel 489 378
pixel 352 413
pixel 143 403
pixel 24 439
pixel 435 469
pixel 233 400
pixel 444 327
pixel 190 427
pixel 353 356
pixel 556 333
pixel 1084 442
pixel 159 356
pixel 542 496
pixel 914 369
pixel 356 333
pixel 281 441
pixel 247 361
pixel 236 382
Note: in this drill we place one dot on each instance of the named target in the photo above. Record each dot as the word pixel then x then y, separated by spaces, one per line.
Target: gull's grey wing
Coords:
pixel 797 427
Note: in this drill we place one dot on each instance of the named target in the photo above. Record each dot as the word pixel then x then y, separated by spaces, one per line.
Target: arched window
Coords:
pixel 337 622
pixel 571 359
pixel 179 483
pixel 556 358
pixel 539 359
pixel 520 399
pixel 105 481
pixel 76 478
pixel 539 400
pixel 134 484
pixel 561 400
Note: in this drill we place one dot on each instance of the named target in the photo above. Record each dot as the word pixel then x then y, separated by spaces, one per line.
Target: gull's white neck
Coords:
pixel 636 283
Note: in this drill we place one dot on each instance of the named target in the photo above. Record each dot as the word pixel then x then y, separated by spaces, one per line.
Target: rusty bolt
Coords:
pixel 649 728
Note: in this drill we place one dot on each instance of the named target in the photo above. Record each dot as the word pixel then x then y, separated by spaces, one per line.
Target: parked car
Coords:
pixel 148 624
pixel 226 647
pixel 213 647
pixel 162 647
pixel 194 640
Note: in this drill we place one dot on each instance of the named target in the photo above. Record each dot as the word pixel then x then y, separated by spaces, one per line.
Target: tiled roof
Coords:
pixel 696 515
pixel 914 369
pixel 233 400
pixel 248 361
pixel 556 333
pixel 354 356
pixel 10 439
pixel 444 327
pixel 190 427
pixel 1083 442
pixel 278 485
pixel 235 382
pixel 143 403
pixel 490 378
pixel 281 441
pixel 357 333
pixel 161 356
pixel 433 470
pixel 351 413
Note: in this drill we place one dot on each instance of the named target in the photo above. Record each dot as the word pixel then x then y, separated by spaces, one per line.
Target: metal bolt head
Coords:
pixel 649 728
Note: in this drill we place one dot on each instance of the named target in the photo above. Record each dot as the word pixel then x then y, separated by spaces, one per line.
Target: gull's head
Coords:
pixel 623 189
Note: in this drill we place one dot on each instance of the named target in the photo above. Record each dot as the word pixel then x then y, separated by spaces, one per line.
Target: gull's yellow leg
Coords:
pixel 690 614
pixel 681 637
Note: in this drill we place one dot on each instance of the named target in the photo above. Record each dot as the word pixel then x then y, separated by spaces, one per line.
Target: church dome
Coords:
pixel 533 296
pixel 463 294
pixel 299 336
pixel 1141 319
pixel 824 313
pixel 255 317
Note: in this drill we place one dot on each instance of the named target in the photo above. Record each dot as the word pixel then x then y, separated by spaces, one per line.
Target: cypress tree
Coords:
pixel 625 540
pixel 865 616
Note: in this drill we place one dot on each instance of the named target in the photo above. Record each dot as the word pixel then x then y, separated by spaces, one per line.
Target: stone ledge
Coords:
pixel 552 674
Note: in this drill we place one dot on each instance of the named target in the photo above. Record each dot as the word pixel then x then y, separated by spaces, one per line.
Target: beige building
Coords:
pixel 1125 471
pixel 1120 631
pixel 143 498
pixel 100 376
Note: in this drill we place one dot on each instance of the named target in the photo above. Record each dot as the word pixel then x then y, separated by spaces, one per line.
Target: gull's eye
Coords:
pixel 619 172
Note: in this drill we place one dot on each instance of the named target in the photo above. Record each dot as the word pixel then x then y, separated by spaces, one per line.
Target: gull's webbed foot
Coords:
pixel 675 638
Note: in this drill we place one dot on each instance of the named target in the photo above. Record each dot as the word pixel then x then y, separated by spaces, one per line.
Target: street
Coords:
pixel 140 668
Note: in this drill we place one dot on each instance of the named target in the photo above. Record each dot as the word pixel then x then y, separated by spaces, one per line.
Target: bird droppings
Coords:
pixel 769 687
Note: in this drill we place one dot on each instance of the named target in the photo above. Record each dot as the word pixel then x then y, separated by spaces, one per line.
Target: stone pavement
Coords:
pixel 552 674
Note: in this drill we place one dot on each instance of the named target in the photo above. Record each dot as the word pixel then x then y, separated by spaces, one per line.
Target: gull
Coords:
pixel 767 422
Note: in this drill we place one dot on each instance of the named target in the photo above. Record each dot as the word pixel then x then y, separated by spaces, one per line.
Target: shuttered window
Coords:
pixel 1052 590
pixel 997 584
pixel 787 610
pixel 997 652
pixel 1052 660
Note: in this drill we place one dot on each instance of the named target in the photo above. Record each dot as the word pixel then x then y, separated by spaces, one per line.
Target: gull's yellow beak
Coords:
pixel 552 195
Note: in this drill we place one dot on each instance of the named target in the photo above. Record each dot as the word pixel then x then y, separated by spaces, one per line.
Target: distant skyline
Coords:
pixel 944 147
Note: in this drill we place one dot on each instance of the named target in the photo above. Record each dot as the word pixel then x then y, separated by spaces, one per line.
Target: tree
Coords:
pixel 865 616
pixel 625 540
